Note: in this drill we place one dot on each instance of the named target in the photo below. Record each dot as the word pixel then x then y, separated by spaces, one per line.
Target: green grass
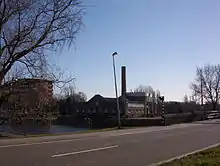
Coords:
pixel 210 157
pixel 68 133
pixel 81 132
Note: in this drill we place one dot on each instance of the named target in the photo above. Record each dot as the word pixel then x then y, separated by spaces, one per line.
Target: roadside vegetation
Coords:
pixel 81 132
pixel 210 157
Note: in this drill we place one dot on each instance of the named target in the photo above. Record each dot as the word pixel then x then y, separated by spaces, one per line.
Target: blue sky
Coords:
pixel 160 41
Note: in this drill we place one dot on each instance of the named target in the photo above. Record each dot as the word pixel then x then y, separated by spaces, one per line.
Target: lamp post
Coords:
pixel 116 91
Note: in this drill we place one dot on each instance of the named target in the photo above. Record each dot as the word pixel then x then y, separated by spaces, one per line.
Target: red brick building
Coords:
pixel 27 92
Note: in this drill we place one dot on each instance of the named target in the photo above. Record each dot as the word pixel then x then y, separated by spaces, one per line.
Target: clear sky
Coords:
pixel 160 41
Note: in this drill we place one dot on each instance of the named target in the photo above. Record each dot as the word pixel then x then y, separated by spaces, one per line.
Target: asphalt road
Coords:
pixel 130 147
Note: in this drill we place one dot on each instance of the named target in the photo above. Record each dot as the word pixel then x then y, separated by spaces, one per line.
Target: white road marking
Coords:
pixel 45 142
pixel 85 151
pixel 184 155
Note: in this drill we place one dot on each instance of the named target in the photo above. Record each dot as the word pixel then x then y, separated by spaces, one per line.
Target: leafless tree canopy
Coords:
pixel 29 29
pixel 69 93
pixel 207 84
pixel 185 98
pixel 150 92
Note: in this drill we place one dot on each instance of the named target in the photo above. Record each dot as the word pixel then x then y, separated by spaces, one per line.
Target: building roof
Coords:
pixel 110 100
pixel 101 98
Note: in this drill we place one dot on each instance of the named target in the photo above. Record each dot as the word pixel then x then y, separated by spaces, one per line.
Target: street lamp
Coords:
pixel 116 91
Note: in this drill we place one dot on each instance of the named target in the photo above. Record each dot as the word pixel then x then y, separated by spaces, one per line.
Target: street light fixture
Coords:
pixel 116 91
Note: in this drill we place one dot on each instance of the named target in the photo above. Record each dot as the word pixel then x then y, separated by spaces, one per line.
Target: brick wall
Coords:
pixel 28 92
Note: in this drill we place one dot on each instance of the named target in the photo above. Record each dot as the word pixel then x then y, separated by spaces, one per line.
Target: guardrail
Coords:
pixel 188 117
pixel 212 114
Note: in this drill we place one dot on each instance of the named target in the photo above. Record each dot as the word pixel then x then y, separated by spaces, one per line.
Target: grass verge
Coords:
pixel 210 157
pixel 79 132
pixel 3 136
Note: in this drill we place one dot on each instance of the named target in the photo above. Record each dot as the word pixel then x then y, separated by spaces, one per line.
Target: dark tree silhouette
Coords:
pixel 207 84
pixel 29 29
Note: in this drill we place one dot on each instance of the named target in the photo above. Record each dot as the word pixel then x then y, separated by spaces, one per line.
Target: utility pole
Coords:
pixel 156 102
pixel 202 107
pixel 201 92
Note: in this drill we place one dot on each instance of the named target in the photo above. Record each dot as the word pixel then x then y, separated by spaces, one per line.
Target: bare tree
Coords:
pixel 151 97
pixel 30 29
pixel 193 99
pixel 150 92
pixel 70 94
pixel 45 110
pixel 82 96
pixel 147 89
pixel 6 89
pixel 153 103
pixel 157 102
pixel 185 98
pixel 68 91
pixel 207 84
pixel 40 109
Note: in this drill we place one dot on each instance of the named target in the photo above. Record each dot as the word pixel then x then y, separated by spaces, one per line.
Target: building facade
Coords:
pixel 132 104
pixel 27 93
pixel 105 106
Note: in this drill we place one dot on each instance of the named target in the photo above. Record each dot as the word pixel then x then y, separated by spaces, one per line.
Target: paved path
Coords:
pixel 131 147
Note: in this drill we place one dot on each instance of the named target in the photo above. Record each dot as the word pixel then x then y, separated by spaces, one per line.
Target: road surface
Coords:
pixel 130 147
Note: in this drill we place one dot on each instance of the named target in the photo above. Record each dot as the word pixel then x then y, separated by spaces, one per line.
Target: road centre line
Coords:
pixel 85 151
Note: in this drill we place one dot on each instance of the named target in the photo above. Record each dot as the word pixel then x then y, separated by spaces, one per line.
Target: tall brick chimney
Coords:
pixel 123 80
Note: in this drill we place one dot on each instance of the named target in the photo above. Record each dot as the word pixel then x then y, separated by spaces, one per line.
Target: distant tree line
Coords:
pixel 68 99
pixel 206 86
pixel 151 93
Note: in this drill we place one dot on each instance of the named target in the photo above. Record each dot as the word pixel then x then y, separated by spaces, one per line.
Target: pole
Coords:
pixel 156 101
pixel 145 105
pixel 201 93
pixel 202 108
pixel 0 43
pixel 163 113
pixel 116 91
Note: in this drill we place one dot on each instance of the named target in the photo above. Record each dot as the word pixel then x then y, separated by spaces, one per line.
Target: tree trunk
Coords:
pixel 1 77
pixel 214 105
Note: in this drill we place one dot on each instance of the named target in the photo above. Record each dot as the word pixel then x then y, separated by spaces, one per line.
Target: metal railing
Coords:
pixel 212 114
pixel 188 117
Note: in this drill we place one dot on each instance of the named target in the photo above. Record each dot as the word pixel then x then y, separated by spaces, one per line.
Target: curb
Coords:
pixel 184 155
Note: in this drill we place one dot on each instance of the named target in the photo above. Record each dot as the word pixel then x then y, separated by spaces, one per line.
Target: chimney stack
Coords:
pixel 123 80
